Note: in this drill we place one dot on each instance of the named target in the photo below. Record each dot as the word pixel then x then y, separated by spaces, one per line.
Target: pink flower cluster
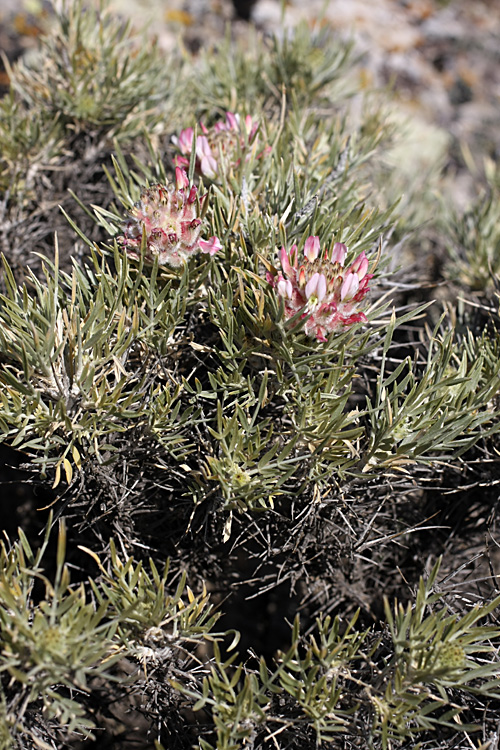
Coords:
pixel 318 290
pixel 171 218
pixel 328 294
pixel 218 147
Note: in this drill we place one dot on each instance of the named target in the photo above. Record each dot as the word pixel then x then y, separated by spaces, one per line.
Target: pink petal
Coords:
pixel 251 127
pixel 208 167
pixel 202 147
pixel 338 253
pixel 285 288
pixel 320 334
pixel 360 266
pixel 211 247
pixel 321 288
pixel 311 248
pixel 285 260
pixel 349 287
pixel 312 285
pixel 232 121
pixel 316 286
pixel 192 194
pixel 181 161
pixel 181 179
pixel 185 140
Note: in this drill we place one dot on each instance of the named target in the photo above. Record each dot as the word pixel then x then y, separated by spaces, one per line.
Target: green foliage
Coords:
pixel 306 63
pixel 91 80
pixel 387 686
pixel 57 643
pixel 92 72
pixel 475 241
pixel 79 375
pixel 435 654
pixel 312 676
pixel 61 641
pixel 77 343
pixel 138 600
pixel 442 410
pixel 303 66
pixel 28 141
pixel 89 356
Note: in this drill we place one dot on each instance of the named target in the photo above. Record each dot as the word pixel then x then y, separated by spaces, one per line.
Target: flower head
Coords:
pixel 217 148
pixel 327 294
pixel 170 216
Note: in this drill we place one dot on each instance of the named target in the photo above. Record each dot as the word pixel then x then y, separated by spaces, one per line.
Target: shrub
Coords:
pixel 233 369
